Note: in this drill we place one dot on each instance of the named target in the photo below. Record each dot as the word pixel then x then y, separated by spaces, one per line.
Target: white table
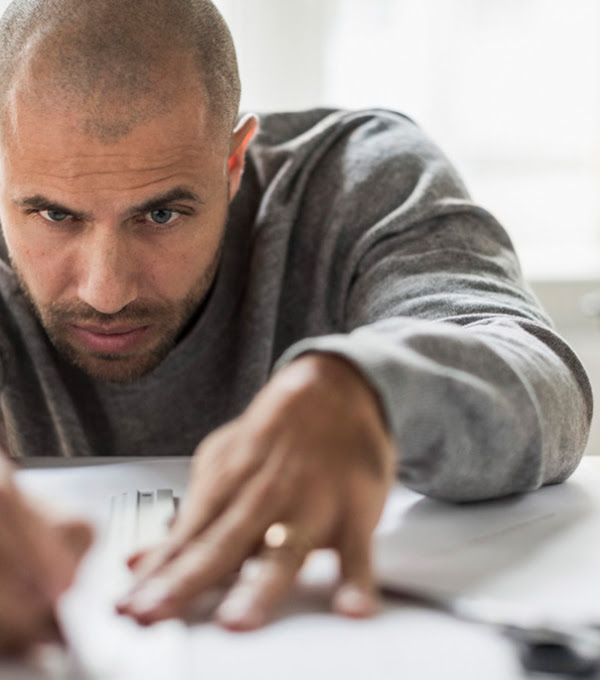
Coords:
pixel 541 551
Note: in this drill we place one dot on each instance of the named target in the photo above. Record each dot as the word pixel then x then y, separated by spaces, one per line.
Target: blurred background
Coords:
pixel 510 89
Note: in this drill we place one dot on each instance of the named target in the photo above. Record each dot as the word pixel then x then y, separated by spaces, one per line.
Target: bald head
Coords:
pixel 119 63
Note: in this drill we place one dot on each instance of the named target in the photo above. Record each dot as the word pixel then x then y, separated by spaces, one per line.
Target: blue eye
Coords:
pixel 162 216
pixel 54 215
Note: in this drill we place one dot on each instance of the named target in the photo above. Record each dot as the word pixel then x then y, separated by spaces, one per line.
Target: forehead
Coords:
pixel 51 148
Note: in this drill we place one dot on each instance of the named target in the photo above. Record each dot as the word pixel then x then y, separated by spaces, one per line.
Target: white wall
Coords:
pixel 509 88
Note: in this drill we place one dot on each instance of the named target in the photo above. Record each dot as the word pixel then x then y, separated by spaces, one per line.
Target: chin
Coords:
pixel 114 368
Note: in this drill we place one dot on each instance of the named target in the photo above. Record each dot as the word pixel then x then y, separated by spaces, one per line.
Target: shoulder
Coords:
pixel 313 125
pixel 11 294
pixel 14 311
pixel 355 148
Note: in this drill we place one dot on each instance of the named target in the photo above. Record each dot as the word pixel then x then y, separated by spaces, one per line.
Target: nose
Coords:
pixel 107 279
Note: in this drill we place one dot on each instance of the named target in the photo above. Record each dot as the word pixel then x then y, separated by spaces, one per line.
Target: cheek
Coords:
pixel 184 262
pixel 174 274
pixel 41 267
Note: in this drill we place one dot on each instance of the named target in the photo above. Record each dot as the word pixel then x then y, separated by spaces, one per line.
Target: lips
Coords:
pixel 110 340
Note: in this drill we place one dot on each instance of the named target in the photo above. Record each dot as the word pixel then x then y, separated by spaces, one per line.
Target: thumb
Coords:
pixel 77 536
pixel 70 539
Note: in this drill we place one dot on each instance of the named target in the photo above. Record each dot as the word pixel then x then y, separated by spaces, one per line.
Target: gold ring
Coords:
pixel 281 535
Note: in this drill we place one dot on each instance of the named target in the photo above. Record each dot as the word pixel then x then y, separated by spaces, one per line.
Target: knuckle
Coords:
pixel 243 462
pixel 212 449
pixel 209 448
pixel 282 479
pixel 267 494
pixel 188 584
pixel 186 588
pixel 274 492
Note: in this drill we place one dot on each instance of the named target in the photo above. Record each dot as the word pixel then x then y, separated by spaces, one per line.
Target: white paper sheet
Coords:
pixel 541 549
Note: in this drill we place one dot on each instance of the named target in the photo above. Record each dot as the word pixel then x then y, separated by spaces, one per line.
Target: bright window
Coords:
pixel 509 88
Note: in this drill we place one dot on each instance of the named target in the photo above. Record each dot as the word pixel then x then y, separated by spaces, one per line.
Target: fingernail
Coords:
pixel 122 604
pixel 353 601
pixel 125 600
pixel 238 613
pixel 149 597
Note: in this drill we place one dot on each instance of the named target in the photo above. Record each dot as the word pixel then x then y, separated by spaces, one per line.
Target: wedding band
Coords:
pixel 281 535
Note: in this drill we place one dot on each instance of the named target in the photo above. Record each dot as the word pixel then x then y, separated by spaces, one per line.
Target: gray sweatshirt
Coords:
pixel 351 234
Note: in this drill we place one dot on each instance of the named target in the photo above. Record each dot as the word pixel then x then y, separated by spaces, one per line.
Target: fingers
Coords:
pixel 76 536
pixel 58 543
pixel 355 597
pixel 23 614
pixel 264 579
pixel 263 583
pixel 23 545
pixel 311 450
pixel 220 550
pixel 26 608
pixel 237 528
pixel 38 557
pixel 214 483
pixel 32 545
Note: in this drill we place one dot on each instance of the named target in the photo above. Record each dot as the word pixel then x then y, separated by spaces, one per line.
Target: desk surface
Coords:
pixel 539 550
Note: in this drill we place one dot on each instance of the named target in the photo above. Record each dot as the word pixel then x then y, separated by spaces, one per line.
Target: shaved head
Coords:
pixel 119 63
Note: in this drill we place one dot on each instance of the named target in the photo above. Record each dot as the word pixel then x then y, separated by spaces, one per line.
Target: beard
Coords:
pixel 167 321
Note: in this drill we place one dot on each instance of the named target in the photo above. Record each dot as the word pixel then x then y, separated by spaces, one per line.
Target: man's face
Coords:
pixel 115 244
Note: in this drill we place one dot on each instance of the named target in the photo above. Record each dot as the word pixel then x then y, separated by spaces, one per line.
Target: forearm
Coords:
pixel 476 412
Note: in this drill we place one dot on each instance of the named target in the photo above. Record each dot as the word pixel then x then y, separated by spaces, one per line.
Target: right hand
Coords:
pixel 40 550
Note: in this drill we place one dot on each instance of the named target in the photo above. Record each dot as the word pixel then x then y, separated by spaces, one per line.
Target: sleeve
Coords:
pixel 482 396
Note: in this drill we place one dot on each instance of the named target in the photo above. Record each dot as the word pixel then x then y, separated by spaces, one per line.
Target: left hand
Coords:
pixel 311 451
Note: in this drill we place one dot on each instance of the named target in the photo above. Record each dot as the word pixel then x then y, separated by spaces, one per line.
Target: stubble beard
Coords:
pixel 171 320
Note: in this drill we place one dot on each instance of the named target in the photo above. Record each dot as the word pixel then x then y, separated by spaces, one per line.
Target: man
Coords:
pixel 341 311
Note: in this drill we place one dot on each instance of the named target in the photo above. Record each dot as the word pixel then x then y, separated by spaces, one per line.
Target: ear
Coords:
pixel 243 133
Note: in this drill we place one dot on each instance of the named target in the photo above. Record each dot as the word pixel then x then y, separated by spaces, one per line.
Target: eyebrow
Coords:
pixel 176 194
pixel 40 203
